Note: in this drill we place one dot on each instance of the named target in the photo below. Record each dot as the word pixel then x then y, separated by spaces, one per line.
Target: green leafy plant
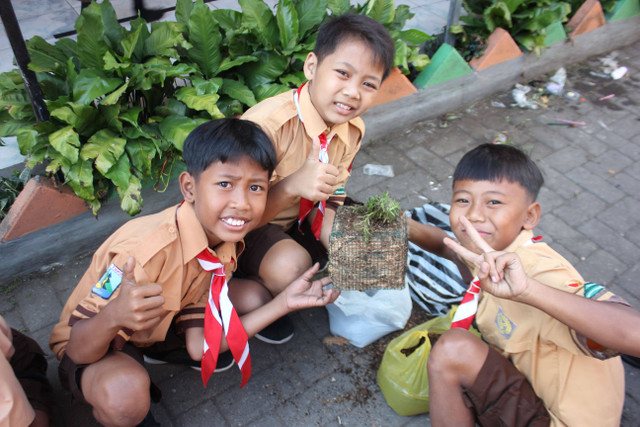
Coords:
pixel 378 209
pixel 122 100
pixel 9 190
pixel 525 20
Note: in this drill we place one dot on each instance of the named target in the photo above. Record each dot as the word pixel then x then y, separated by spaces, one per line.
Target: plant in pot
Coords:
pixel 122 100
pixel 368 245
pixel 525 20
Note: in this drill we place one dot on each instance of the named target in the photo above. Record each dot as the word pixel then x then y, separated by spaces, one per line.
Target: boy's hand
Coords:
pixel 305 293
pixel 315 180
pixel 501 273
pixel 137 307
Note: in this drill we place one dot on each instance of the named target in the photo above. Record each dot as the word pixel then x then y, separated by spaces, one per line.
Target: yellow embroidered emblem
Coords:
pixel 504 324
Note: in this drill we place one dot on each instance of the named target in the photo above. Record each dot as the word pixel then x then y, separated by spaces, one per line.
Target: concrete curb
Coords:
pixel 62 242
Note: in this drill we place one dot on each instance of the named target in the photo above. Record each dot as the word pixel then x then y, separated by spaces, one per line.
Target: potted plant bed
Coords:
pixel 368 246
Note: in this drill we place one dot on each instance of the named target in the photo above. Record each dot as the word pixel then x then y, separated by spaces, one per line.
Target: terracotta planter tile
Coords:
pixel 395 86
pixel 587 18
pixel 624 9
pixel 446 64
pixel 500 47
pixel 40 204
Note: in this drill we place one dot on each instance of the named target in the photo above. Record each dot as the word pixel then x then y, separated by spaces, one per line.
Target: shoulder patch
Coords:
pixel 592 289
pixel 108 283
pixel 339 191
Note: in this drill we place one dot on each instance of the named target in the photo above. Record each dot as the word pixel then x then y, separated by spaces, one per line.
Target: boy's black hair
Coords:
pixel 359 27
pixel 227 139
pixel 495 162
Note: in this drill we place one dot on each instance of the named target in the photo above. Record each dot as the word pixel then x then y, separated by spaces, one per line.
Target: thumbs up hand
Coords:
pixel 137 307
pixel 315 180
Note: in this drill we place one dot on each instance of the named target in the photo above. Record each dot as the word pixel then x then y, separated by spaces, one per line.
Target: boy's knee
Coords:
pixel 120 398
pixel 283 263
pixel 456 351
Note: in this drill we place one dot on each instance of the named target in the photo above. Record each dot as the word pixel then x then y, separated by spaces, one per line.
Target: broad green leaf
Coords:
pixel 419 60
pixel 91 43
pixel 26 138
pixel 91 84
pixel 105 147
pixel 402 52
pixel 287 19
pixel 197 102
pixel 544 17
pixel 45 57
pixel 310 14
pixel 9 127
pixel 67 46
pixel 141 152
pixel 205 37
pixel 114 96
pixel 66 142
pixel 176 129
pixel 497 15
pixel 21 112
pixel 228 19
pixel 381 10
pixel 164 39
pixel 401 16
pixel 133 41
pixel 512 5
pixel 120 172
pixel 64 114
pixel 14 98
pixel 53 86
pixel 239 91
pixel 183 10
pixel 113 31
pixel 208 86
pixel 130 198
pixel 80 178
pixel 292 79
pixel 414 37
pixel 228 63
pixel 270 66
pixel 338 7
pixel 267 91
pixel 257 16
pixel 130 115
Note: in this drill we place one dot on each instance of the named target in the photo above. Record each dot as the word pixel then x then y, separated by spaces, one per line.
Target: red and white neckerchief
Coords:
pixel 220 313
pixel 307 205
pixel 468 307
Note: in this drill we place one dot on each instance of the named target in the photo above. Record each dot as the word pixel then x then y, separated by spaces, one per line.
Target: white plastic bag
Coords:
pixel 364 316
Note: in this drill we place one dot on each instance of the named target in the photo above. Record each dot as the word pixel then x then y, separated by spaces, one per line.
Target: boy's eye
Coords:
pixel 371 85
pixel 495 202
pixel 462 200
pixel 343 73
pixel 224 184
pixel 256 188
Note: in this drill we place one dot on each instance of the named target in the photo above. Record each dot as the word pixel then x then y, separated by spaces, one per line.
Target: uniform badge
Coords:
pixel 339 191
pixel 592 289
pixel 108 283
pixel 504 324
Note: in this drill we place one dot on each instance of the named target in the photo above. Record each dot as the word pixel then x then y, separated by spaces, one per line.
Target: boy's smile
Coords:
pixel 498 210
pixel 345 84
pixel 228 198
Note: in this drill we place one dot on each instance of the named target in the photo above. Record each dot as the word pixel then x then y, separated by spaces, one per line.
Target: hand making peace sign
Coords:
pixel 501 273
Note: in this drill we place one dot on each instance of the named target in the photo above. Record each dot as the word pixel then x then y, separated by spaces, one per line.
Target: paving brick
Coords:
pixel 580 209
pixel 625 182
pixel 561 232
pixel 611 241
pixel 566 158
pixel 622 216
pixel 601 267
pixel 606 163
pixel 594 184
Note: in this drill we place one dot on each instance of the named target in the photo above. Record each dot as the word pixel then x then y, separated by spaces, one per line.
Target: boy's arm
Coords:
pixel 313 181
pixel 428 237
pixel 137 307
pixel 612 325
pixel 303 292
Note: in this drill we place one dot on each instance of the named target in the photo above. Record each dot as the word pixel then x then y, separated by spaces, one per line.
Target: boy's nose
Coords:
pixel 351 91
pixel 474 213
pixel 240 200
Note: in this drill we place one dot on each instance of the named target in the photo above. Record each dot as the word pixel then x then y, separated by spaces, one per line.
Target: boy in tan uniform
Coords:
pixel 158 284
pixel 550 340
pixel 317 131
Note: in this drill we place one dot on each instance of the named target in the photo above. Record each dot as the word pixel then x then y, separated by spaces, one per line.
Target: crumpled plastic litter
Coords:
pixel 557 81
pixel 520 96
pixel 382 170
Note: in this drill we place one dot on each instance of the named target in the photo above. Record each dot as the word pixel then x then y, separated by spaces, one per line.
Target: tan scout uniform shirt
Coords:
pixel 15 409
pixel 292 139
pixel 577 385
pixel 165 246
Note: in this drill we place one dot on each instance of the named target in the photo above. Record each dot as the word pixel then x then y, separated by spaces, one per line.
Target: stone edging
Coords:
pixel 62 242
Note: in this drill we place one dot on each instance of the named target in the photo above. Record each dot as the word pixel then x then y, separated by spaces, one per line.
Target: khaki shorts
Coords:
pixel 502 396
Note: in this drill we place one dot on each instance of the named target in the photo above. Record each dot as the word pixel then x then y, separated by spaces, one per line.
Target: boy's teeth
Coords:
pixel 346 107
pixel 232 221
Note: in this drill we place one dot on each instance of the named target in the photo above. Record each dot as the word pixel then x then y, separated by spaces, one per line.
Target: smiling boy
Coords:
pixel 317 131
pixel 541 360
pixel 149 287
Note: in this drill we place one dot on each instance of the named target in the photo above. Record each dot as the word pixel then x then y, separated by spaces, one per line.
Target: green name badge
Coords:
pixel 108 283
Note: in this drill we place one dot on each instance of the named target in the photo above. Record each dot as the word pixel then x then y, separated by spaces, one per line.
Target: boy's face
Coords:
pixel 228 198
pixel 345 83
pixel 498 210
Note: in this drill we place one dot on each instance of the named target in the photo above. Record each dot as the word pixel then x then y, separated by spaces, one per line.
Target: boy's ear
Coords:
pixel 310 66
pixel 187 186
pixel 534 211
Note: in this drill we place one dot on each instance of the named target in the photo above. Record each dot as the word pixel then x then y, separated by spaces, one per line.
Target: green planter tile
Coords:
pixel 624 9
pixel 446 64
pixel 554 33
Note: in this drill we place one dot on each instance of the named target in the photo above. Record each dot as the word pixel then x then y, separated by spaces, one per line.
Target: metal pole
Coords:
pixel 452 19
pixel 19 48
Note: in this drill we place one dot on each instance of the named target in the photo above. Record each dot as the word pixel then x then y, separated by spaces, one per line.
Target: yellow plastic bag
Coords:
pixel 402 375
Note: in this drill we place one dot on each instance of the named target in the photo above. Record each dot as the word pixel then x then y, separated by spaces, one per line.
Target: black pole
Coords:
pixel 452 19
pixel 19 48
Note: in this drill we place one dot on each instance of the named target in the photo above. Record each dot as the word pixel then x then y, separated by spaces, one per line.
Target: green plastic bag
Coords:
pixel 402 375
